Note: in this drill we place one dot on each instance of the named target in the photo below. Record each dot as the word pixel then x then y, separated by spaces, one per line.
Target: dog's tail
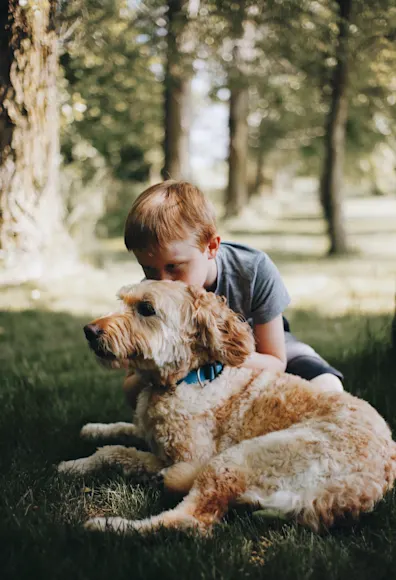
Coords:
pixel 180 476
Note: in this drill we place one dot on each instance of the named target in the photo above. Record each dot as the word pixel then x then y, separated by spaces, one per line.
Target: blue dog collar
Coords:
pixel 207 372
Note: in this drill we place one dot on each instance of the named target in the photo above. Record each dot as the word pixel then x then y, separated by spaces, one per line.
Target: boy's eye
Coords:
pixel 173 267
pixel 146 309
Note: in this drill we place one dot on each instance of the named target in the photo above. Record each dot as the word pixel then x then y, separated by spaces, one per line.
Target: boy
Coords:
pixel 171 229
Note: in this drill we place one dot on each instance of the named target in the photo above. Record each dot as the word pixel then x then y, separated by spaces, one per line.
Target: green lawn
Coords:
pixel 51 385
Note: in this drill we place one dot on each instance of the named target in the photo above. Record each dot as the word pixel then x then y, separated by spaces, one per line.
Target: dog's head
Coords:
pixel 168 328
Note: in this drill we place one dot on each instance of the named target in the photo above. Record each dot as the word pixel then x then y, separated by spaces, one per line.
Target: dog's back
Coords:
pixel 193 423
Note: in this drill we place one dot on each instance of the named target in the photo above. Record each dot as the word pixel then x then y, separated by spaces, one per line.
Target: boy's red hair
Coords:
pixel 168 212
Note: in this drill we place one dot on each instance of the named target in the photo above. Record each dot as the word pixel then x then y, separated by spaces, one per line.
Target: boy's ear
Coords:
pixel 213 246
pixel 220 331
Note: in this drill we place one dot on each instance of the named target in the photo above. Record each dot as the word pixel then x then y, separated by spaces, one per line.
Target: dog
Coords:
pixel 222 434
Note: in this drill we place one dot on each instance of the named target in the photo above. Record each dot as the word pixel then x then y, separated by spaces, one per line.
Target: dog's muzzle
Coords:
pixel 93 334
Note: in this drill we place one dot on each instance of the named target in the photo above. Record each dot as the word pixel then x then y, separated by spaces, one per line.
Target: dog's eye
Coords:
pixel 146 309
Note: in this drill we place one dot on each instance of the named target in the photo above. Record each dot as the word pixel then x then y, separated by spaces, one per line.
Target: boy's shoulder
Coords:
pixel 241 259
pixel 251 282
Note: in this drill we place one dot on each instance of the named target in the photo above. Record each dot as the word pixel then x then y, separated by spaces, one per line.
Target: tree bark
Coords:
pixel 237 194
pixel 30 205
pixel 393 337
pixel 176 96
pixel 393 329
pixel 333 167
pixel 237 190
pixel 263 183
pixel 260 178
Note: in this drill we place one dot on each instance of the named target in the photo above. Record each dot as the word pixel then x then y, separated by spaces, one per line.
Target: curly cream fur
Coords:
pixel 271 440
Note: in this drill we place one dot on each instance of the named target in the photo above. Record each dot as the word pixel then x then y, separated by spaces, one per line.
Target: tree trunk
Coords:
pixel 393 329
pixel 264 182
pixel 394 333
pixel 176 96
pixel 237 195
pixel 237 191
pixel 260 177
pixel 30 205
pixel 332 174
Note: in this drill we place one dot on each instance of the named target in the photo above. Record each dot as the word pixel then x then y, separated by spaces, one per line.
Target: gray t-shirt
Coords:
pixel 251 283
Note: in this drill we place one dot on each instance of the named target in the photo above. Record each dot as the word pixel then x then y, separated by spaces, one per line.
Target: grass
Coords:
pixel 51 385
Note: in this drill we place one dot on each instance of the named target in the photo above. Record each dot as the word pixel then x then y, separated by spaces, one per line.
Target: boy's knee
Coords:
pixel 328 382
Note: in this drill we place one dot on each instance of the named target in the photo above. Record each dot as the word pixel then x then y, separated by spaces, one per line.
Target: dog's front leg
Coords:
pixel 112 432
pixel 130 459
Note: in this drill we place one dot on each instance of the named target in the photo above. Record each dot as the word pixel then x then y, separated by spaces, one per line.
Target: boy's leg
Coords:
pixel 304 361
pixel 328 382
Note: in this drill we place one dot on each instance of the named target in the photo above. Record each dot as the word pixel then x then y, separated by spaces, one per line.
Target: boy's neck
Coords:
pixel 210 282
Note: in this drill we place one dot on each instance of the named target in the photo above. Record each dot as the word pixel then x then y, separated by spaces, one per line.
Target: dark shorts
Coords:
pixel 303 360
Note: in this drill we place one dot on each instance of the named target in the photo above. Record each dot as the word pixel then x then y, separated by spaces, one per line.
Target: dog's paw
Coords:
pixel 269 513
pixel 157 478
pixel 96 524
pixel 94 431
pixel 117 525
pixel 75 466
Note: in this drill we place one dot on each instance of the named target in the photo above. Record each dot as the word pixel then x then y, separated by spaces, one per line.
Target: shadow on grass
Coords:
pixel 50 385
pixel 305 233
pixel 276 233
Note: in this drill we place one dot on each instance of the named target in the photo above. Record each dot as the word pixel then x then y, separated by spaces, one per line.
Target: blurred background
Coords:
pixel 282 112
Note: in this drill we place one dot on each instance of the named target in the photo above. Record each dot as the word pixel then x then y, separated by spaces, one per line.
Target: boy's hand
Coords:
pixel 270 347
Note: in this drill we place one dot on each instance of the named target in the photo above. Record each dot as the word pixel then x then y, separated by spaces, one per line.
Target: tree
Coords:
pixel 332 176
pixel 393 330
pixel 177 86
pixel 324 89
pixel 364 62
pixel 128 68
pixel 31 211
pixel 112 92
pixel 229 37
pixel 237 188
pixel 252 57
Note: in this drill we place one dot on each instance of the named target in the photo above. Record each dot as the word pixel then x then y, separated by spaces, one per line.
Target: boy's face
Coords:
pixel 181 260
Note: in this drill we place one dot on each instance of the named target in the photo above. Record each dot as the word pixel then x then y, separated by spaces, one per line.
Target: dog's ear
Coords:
pixel 219 330
pixel 126 291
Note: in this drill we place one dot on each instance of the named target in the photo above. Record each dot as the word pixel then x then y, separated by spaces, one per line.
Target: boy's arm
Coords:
pixel 132 386
pixel 270 347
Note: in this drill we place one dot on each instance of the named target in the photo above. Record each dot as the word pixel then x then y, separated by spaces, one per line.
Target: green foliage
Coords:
pixel 300 59
pixel 288 64
pixel 112 72
pixel 114 62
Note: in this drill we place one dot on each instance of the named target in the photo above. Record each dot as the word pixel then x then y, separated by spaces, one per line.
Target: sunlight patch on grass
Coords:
pixel 290 229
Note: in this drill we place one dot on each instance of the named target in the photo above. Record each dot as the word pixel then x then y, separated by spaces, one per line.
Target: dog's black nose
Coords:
pixel 92 332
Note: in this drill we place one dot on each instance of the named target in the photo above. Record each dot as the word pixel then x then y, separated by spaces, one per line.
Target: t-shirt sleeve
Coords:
pixel 269 295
